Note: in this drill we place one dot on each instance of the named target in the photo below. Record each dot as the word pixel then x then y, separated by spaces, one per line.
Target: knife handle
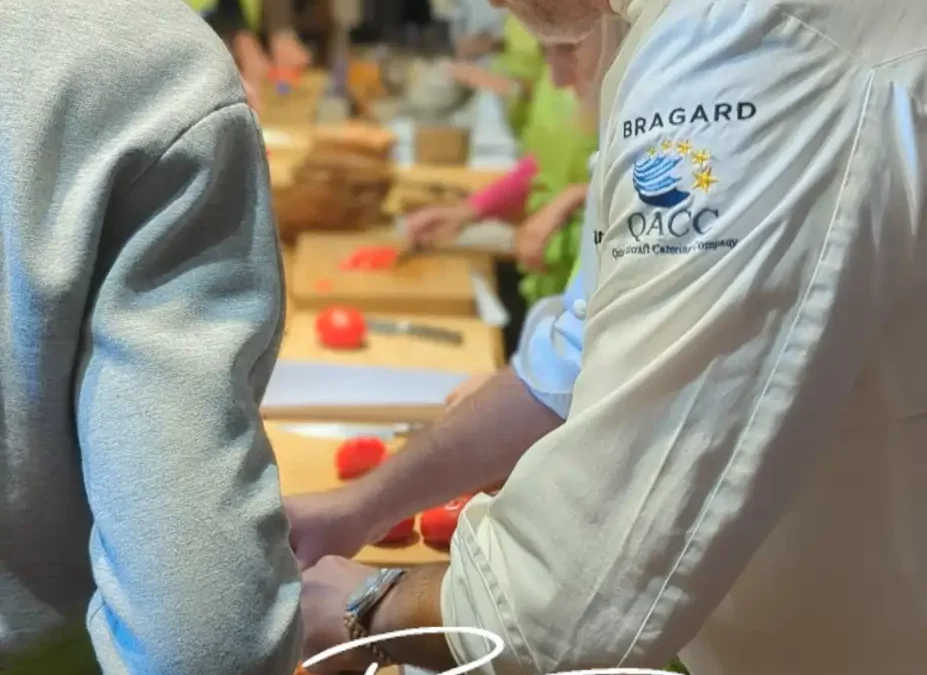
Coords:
pixel 438 334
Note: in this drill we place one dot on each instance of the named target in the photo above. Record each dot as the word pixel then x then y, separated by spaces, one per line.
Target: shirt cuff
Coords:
pixel 548 357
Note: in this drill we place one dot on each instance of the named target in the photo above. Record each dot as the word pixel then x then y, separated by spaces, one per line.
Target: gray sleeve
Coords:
pixel 189 546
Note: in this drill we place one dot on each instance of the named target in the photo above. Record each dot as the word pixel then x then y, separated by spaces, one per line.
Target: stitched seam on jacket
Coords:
pixel 502 604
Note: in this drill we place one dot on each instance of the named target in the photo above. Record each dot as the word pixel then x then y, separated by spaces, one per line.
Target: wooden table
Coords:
pixel 433 284
pixel 308 465
pixel 480 352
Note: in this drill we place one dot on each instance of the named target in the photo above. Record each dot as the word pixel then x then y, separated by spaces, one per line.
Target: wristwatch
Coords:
pixel 363 601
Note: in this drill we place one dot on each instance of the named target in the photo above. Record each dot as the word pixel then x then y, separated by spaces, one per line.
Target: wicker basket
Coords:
pixel 333 191
pixel 356 138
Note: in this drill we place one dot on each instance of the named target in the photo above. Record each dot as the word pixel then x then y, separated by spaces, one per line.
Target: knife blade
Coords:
pixel 434 333
pixel 336 430
pixel 407 254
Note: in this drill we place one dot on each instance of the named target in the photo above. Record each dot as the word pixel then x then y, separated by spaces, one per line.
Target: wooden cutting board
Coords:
pixel 432 284
pixel 308 465
pixel 480 352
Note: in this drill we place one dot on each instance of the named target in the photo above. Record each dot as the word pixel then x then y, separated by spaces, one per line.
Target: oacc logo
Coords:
pixel 675 181
pixel 659 174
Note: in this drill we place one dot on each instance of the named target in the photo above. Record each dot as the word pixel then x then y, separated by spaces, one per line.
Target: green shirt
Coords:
pixel 554 135
pixel 521 59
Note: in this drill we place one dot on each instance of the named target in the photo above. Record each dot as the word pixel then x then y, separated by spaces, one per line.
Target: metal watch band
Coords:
pixel 372 593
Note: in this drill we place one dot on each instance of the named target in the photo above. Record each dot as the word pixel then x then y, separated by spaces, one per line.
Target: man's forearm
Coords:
pixel 415 602
pixel 476 444
pixel 571 199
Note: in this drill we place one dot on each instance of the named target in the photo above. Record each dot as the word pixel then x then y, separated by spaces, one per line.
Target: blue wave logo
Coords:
pixel 657 175
pixel 657 182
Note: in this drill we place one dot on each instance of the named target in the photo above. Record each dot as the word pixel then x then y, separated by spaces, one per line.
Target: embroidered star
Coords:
pixel 704 180
pixel 652 152
pixel 700 158
pixel 684 148
pixel 667 145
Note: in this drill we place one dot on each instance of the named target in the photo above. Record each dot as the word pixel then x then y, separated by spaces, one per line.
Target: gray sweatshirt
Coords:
pixel 140 310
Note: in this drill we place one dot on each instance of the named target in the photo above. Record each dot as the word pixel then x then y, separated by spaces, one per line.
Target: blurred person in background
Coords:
pixel 476 27
pixel 544 193
pixel 240 23
pixel 295 24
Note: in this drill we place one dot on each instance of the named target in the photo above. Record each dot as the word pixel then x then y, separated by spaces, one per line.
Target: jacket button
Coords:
pixel 579 309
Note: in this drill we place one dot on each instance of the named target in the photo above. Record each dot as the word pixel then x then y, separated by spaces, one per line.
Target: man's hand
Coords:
pixel 330 523
pixel 477 77
pixel 533 236
pixel 475 46
pixel 414 602
pixel 288 52
pixel 324 599
pixel 436 225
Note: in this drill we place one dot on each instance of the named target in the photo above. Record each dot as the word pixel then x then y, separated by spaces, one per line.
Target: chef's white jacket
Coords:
pixel 742 469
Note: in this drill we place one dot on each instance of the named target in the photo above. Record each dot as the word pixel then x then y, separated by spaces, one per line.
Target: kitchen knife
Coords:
pixel 341 430
pixel 433 333
pixel 406 254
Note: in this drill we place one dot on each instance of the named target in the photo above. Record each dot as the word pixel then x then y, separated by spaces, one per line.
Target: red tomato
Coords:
pixel 400 533
pixel 371 258
pixel 289 76
pixel 438 524
pixel 357 456
pixel 341 328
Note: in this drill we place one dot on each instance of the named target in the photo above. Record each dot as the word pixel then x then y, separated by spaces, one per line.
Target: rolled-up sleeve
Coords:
pixel 550 349
pixel 741 276
pixel 189 543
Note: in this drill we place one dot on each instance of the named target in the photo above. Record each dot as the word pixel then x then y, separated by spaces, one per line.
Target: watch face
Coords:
pixel 368 591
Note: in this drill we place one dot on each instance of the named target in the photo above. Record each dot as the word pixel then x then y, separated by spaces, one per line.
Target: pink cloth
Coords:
pixel 507 195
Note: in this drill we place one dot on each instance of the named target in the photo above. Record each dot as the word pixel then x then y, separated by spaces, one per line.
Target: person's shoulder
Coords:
pixel 872 32
pixel 111 69
pixel 107 36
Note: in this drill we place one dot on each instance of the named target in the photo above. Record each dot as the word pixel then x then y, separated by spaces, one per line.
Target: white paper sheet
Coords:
pixel 301 384
pixel 488 304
